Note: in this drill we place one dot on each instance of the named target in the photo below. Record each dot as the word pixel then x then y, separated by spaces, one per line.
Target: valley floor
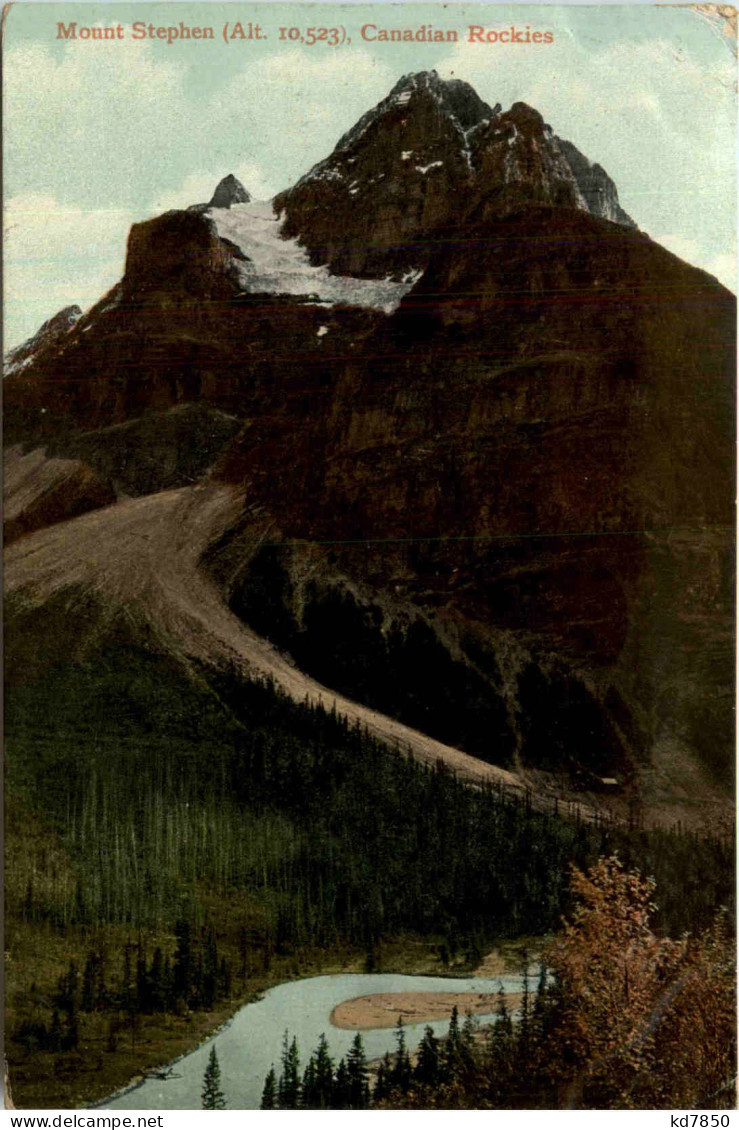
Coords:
pixel 101 1067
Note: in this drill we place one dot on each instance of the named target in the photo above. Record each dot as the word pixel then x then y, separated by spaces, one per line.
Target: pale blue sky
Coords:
pixel 98 135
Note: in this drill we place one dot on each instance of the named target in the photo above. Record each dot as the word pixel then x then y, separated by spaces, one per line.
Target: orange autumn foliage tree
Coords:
pixel 638 1020
pixel 695 1041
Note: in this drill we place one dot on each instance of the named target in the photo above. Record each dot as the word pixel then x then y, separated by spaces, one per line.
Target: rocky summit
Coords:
pixel 431 153
pixel 469 432
pixel 46 335
pixel 229 191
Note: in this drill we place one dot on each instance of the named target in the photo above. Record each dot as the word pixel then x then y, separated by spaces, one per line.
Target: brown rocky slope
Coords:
pixel 502 514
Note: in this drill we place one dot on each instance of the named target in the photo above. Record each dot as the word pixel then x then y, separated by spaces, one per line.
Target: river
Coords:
pixel 252 1040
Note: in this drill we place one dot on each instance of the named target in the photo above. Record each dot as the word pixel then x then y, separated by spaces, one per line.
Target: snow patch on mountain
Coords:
pixel 281 266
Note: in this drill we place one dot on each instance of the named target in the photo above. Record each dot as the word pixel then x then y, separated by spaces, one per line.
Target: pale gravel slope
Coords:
pixel 142 557
pixel 28 476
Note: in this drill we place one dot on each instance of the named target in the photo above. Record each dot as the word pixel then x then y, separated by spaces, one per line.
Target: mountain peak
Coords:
pixel 229 191
pixel 430 153
pixel 51 331
pixel 524 114
pixel 452 101
pixel 456 96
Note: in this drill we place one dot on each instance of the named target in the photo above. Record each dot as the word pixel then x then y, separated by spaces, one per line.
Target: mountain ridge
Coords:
pixel 510 483
pixel 423 157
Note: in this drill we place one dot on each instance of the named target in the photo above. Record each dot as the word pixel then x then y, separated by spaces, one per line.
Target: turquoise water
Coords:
pixel 252 1041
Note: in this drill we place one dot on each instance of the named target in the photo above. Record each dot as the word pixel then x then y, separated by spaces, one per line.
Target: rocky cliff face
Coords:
pixel 48 334
pixel 179 252
pixel 597 188
pixel 229 191
pixel 427 155
pixel 39 491
pixel 390 180
pixel 501 510
pixel 517 160
pixel 534 432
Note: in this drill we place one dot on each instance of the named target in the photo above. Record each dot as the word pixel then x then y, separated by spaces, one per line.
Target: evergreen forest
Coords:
pixel 203 836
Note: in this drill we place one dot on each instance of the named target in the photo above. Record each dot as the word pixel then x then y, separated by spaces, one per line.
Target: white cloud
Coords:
pixel 56 256
pixel 113 119
pixel 86 125
pixel 197 188
pixel 289 111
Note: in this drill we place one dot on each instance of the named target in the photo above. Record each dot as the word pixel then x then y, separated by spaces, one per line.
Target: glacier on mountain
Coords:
pixel 281 266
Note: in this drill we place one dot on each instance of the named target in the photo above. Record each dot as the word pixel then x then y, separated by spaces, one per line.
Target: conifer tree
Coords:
pixel 283 1065
pixel 68 983
pixel 402 1071
pixel 196 992
pixel 224 977
pixel 102 998
pixel 243 952
pixel 341 1088
pixel 467 1043
pixel 212 1097
pixel 126 987
pixel 452 1047
pixel 111 1043
pixel 209 975
pixel 540 1009
pixel 468 1029
pixel 308 1096
pixel 72 1035
pixel 142 981
pixel 156 983
pixel 524 1024
pixel 324 1081
pixel 288 1088
pixel 356 1068
pixel 427 1065
pixel 183 963
pixel 167 983
pixel 269 1094
pixel 501 1034
pixel 380 1089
